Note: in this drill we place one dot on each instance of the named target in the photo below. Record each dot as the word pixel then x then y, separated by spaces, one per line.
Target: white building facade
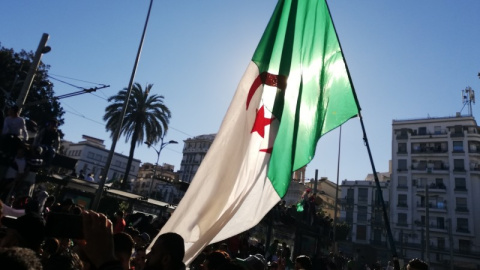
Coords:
pixel 435 183
pixel 92 158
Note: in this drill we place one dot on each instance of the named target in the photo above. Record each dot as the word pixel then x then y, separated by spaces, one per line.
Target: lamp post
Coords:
pixel 159 151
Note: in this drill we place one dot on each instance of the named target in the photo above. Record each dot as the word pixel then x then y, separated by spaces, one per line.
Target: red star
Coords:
pixel 261 122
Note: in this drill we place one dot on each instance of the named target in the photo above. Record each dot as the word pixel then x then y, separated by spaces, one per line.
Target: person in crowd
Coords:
pixel 139 259
pixel 216 260
pixel 123 245
pixel 13 124
pixel 63 260
pixel 253 262
pixel 120 223
pixel 166 253
pixel 417 264
pixel 48 138
pixel 303 262
pixel 15 174
pixel 50 247
pixel 90 177
pixel 19 259
pixel 27 231
pixel 141 239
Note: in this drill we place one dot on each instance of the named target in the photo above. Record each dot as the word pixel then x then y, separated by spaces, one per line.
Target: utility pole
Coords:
pixel 42 48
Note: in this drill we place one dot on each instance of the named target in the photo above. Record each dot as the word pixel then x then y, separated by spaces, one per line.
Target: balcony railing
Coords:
pixel 439 206
pixel 463 230
pixel 461 209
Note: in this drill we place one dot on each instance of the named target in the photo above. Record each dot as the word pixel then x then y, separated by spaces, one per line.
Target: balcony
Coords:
pixel 429 150
pixel 463 230
pixel 438 207
pixel 433 188
pixel 402 205
pixel 461 209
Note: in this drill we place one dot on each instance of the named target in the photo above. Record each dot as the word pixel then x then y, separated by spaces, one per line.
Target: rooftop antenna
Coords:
pixel 468 97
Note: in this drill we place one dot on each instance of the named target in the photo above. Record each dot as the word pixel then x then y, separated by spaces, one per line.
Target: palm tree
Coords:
pixel 146 119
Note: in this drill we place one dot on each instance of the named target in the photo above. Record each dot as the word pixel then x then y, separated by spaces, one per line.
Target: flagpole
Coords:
pixel 98 194
pixel 336 194
pixel 386 220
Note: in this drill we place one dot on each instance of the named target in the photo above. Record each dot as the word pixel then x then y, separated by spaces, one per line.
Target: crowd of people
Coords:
pixel 23 151
pixel 30 239
pixel 33 241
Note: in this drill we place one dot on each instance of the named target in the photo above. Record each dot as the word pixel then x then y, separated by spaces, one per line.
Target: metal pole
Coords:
pixel 155 168
pixel 98 195
pixel 335 248
pixel 32 71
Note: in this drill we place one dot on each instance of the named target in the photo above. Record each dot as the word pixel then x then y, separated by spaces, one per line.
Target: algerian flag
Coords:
pixel 295 90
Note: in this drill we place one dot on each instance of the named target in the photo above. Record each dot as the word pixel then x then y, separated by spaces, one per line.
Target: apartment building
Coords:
pixel 158 182
pixel 194 151
pixel 363 212
pixel 435 183
pixel 92 154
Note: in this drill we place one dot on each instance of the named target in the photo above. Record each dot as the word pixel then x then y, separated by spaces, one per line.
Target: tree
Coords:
pixel 14 67
pixel 146 119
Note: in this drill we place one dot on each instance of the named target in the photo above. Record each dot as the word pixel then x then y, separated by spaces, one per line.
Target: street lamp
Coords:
pixel 159 151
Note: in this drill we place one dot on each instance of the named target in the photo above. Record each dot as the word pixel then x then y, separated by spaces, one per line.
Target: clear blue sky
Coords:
pixel 407 59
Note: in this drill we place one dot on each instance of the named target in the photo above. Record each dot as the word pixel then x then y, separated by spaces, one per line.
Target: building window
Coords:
pixel 437 130
pixel 457 146
pixel 464 245
pixel 402 164
pixel 402 200
pixel 462 225
pixel 441 243
pixel 422 131
pixel 90 155
pixel 362 214
pixel 460 184
pixel 402 148
pixel 461 204
pixel 402 219
pixel 349 216
pixel 362 195
pixel 402 182
pixel 98 157
pixel 361 232
pixel 440 223
pixel 458 165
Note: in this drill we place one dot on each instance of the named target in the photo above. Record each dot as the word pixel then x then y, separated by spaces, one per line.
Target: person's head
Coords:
pixel 14 111
pixel 140 257
pixel 417 264
pixel 303 262
pixel 50 246
pixel 166 253
pixel 216 260
pixel 119 214
pixel 50 201
pixel 123 246
pixel 19 259
pixel 27 230
pixel 65 259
